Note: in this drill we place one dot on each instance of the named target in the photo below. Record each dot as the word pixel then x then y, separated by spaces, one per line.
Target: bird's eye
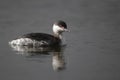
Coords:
pixel 62 27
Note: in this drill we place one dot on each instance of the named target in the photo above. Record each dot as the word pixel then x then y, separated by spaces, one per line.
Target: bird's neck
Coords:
pixel 58 35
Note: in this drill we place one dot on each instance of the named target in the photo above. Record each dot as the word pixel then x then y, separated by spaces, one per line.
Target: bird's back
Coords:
pixel 37 39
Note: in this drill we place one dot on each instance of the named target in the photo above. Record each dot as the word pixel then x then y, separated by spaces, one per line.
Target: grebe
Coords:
pixel 42 39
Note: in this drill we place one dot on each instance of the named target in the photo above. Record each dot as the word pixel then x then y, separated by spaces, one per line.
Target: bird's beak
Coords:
pixel 66 30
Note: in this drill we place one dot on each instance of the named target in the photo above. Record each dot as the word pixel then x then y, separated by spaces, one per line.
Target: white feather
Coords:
pixel 27 41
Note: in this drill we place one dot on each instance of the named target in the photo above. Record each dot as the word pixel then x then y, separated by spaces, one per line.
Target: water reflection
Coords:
pixel 58 60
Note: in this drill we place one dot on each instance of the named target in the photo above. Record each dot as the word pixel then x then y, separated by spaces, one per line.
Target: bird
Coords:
pixel 42 39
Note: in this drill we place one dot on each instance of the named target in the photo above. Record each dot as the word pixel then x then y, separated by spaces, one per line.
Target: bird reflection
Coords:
pixel 58 60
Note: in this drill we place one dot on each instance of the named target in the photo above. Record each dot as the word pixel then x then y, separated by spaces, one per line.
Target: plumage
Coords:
pixel 50 40
pixel 42 39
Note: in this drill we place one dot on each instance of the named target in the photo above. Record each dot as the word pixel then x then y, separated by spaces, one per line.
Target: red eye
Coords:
pixel 62 27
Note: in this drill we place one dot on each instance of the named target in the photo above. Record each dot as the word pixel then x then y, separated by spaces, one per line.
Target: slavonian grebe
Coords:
pixel 42 39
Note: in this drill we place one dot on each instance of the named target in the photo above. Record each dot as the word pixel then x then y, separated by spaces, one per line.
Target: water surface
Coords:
pixel 93 45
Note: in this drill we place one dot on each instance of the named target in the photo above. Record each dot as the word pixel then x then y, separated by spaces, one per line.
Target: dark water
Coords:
pixel 93 45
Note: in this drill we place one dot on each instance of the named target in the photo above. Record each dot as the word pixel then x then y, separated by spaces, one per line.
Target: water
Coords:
pixel 93 45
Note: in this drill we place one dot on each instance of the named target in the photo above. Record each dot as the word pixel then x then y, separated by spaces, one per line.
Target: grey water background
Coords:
pixel 93 45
